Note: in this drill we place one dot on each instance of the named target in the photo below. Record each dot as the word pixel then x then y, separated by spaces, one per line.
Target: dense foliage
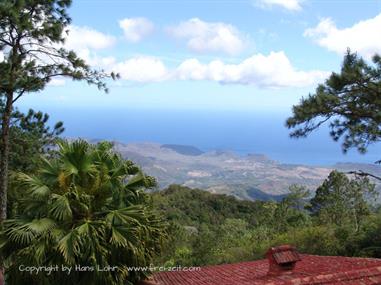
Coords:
pixel 213 229
pixel 340 200
pixel 30 137
pixel 86 206
pixel 194 207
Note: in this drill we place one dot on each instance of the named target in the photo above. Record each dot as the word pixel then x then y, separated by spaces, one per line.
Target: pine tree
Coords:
pixel 350 101
pixel 341 201
pixel 32 35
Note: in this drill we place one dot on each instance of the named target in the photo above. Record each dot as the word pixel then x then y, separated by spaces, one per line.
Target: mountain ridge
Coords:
pixel 250 177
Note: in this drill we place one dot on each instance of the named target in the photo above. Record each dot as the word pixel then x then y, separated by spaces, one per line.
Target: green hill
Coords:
pixel 193 207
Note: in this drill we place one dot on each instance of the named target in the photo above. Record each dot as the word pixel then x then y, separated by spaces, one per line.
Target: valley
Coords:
pixel 249 177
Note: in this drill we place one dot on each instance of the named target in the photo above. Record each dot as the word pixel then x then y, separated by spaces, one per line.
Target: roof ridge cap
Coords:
pixel 338 276
pixel 341 256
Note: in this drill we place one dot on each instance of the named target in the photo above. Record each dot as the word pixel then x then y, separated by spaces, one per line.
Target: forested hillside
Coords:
pixel 206 228
pixel 194 207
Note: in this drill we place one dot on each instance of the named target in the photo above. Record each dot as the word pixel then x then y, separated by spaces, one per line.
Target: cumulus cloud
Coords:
pixel 135 29
pixel 292 5
pixel 142 69
pixel 271 71
pixel 80 38
pixel 363 37
pixel 274 70
pixel 205 37
pixel 86 42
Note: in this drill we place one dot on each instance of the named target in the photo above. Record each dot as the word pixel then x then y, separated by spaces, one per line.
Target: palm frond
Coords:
pixel 84 206
pixel 60 208
pixel 69 247
pixel 37 188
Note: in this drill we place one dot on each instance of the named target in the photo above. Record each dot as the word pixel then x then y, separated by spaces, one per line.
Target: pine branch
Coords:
pixel 361 173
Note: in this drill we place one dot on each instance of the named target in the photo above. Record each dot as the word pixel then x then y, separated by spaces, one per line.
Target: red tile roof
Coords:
pixel 311 269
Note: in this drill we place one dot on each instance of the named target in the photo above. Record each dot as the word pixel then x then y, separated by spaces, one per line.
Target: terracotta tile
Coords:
pixel 311 269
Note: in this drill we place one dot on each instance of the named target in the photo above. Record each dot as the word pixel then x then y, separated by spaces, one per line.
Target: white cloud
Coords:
pixel 274 70
pixel 80 38
pixel 86 41
pixel 363 37
pixel 292 5
pixel 209 37
pixel 142 69
pixel 271 71
pixel 135 29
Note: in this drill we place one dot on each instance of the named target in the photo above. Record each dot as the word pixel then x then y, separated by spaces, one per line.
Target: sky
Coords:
pixel 241 55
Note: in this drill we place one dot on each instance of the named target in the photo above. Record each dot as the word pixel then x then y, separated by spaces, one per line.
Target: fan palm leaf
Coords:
pixel 84 206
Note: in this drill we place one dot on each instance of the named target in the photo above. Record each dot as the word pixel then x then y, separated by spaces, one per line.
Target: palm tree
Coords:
pixel 86 206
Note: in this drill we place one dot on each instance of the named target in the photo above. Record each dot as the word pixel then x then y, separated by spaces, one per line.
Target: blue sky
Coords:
pixel 210 55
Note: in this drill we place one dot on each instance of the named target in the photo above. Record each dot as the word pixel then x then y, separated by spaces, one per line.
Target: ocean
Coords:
pixel 241 132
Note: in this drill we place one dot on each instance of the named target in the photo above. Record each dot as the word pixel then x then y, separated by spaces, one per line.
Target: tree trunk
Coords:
pixel 4 155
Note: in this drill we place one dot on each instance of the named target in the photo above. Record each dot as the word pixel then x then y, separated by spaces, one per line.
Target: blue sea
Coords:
pixel 240 132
